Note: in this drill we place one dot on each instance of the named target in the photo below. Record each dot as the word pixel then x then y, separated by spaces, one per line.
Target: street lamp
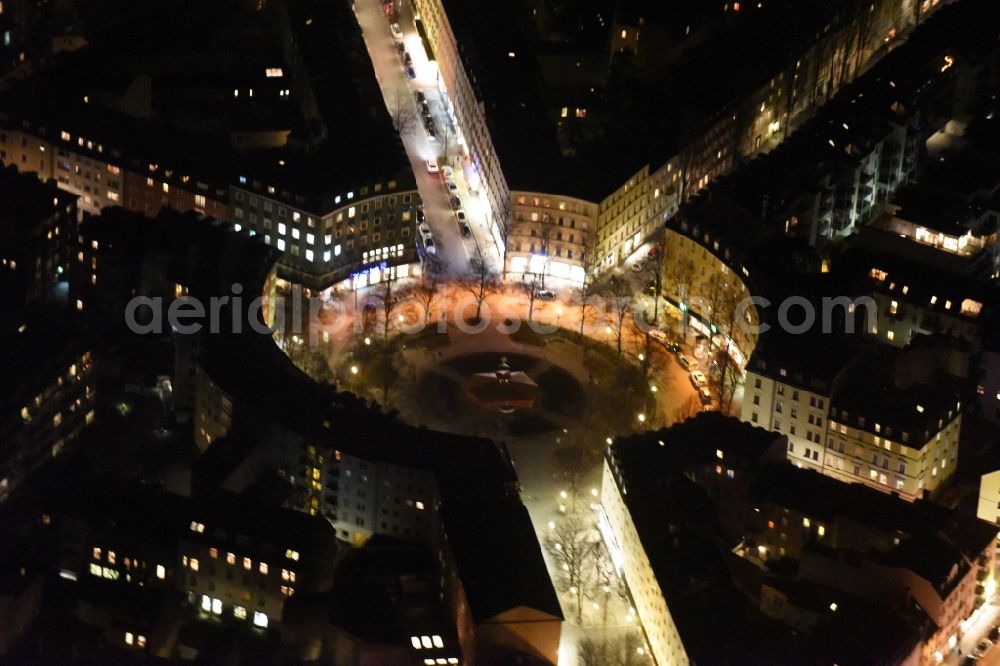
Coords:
pixel 354 369
pixel 642 418
pixel 652 387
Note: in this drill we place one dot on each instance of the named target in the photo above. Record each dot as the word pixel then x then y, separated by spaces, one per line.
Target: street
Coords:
pixel 399 93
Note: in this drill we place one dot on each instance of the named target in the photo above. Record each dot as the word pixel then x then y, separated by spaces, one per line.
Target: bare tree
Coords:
pixel 618 292
pixel 592 651
pixel 481 282
pixel 426 292
pixel 574 465
pixel 652 277
pixel 532 284
pixel 446 136
pixel 680 274
pixel 730 377
pixel 585 292
pixel 389 297
pixel 573 546
pixel 401 110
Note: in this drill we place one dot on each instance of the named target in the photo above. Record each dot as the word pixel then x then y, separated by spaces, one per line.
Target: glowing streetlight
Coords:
pixel 642 418
pixel 642 357
pixel 368 341
pixel 652 387
pixel 593 491
pixel 354 369
pixel 562 493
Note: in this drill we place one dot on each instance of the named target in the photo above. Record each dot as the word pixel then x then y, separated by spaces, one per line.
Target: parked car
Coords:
pixel 460 214
pixel 432 166
pixel 397 32
pixel 451 185
pixel 686 363
pixel 429 246
pixel 431 132
pixel 697 379
pixel 400 48
pixel 410 74
pixel 982 647
pixel 546 295
pixel 994 633
pixel 407 58
pixel 638 266
pixel 425 109
pixel 421 98
pixel 466 231
pixel 674 347
pixel 425 231
pixel 658 335
pixel 421 215
pixel 455 202
pixel 705 395
pixel 448 172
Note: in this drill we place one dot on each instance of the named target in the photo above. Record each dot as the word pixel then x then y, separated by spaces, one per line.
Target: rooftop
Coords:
pixel 529 67
pixel 932 538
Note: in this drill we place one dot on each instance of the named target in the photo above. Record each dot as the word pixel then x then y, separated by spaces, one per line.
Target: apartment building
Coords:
pixel 853 415
pixel 230 562
pixel 39 222
pixel 50 398
pixel 637 511
pixel 363 236
pixel 107 169
pixel 878 547
pixel 551 236
pixel 910 303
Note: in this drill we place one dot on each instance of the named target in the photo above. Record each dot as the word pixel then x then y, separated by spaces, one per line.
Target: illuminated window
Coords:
pixel 260 619
pixel 247 564
pixel 129 638
pixel 263 568
pixel 161 571
pixel 240 612
pixel 292 554
pixel 193 564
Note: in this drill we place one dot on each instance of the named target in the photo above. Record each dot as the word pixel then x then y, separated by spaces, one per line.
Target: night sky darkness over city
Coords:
pixel 518 333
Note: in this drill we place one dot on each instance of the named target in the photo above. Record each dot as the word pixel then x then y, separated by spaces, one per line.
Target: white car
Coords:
pixel 657 334
pixel 698 378
pixel 397 32
pixel 425 231
pixel 448 172
pixel 432 166
pixel 429 246
pixel 686 363
pixel 450 184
